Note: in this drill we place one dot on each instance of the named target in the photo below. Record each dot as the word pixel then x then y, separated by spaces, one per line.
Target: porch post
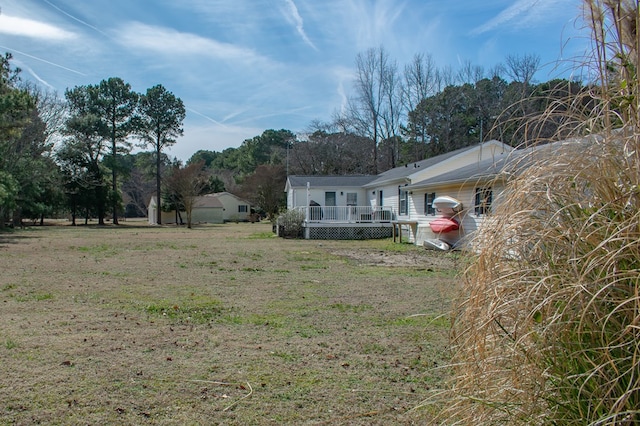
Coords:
pixel 306 216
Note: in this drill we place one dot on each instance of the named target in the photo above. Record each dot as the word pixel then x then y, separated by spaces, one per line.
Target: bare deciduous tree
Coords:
pixel 469 73
pixel 374 111
pixel 420 82
pixel 186 185
pixel 522 68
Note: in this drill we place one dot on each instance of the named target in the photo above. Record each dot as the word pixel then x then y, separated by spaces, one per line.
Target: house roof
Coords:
pixel 483 170
pixel 329 181
pixel 488 169
pixel 206 201
pixel 404 172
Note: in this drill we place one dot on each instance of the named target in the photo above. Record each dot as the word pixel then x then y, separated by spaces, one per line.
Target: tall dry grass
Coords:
pixel 548 328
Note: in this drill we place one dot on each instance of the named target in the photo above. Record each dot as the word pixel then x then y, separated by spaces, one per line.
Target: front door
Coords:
pixel 330 205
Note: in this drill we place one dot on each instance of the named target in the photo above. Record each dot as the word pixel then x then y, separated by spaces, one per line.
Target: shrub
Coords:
pixel 290 224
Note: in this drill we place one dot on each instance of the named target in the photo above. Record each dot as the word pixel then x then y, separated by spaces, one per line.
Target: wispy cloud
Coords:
pixel 279 113
pixel 522 12
pixel 171 42
pixel 293 16
pixel 375 22
pixel 344 77
pixel 33 29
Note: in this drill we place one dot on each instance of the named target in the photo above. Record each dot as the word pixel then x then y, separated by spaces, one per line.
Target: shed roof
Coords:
pixel 226 193
pixel 207 202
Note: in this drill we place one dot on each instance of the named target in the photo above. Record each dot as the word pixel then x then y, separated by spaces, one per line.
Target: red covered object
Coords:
pixel 443 224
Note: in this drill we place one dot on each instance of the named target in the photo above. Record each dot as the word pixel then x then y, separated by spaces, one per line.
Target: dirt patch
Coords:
pixel 411 258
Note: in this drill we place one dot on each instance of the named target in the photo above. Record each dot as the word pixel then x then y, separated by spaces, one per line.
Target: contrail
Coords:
pixel 202 115
pixel 299 23
pixel 43 60
pixel 75 19
pixel 36 76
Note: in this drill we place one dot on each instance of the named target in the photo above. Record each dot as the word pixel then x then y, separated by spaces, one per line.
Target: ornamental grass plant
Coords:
pixel 548 328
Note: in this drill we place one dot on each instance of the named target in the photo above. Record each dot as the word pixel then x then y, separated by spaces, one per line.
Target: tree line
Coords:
pixel 75 154
pixel 394 116
pixel 397 116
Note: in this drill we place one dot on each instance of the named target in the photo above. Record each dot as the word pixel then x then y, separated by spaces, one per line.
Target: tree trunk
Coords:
pixel 114 185
pixel 158 212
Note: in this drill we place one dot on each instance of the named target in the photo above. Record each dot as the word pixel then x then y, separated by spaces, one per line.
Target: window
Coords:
pixel 429 209
pixel 243 208
pixel 403 200
pixel 352 198
pixel 484 197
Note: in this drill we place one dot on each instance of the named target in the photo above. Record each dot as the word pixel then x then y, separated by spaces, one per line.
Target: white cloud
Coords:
pixel 33 29
pixel 293 16
pixel 171 42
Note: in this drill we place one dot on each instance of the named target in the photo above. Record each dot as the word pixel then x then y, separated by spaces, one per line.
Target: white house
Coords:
pixel 389 188
pixel 478 186
pixel 392 195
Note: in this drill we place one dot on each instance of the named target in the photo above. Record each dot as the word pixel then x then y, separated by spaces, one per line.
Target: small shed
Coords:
pixel 234 208
pixel 205 210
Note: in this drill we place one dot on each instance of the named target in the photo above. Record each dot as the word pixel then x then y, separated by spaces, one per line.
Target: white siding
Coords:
pixel 205 215
pixel 469 221
pixel 390 198
pixel 198 215
pixel 297 196
pixel 230 205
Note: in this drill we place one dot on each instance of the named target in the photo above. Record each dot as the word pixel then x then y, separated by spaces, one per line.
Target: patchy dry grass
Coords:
pixel 217 325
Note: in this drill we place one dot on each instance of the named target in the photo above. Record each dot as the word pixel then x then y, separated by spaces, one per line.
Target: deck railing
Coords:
pixel 346 214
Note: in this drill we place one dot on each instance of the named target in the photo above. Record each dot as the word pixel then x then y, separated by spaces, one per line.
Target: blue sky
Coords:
pixel 244 66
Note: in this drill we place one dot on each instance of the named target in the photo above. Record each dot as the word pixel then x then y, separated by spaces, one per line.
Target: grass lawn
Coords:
pixel 221 324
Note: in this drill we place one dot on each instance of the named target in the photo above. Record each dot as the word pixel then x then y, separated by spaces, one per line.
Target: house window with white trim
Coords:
pixel 403 201
pixel 429 209
pixel 483 200
pixel 352 198
pixel 243 208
